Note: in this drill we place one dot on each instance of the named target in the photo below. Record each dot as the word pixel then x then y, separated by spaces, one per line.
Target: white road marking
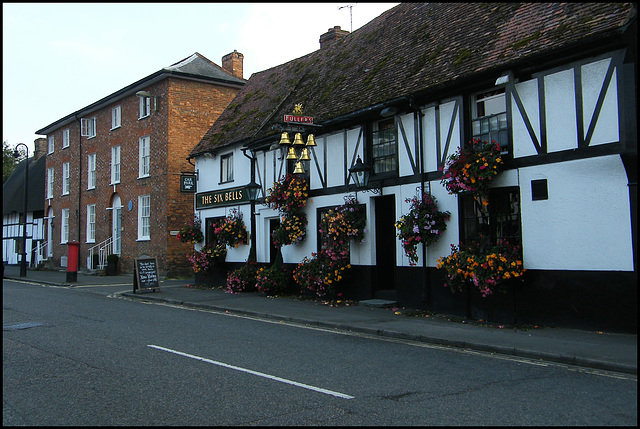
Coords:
pixel 259 374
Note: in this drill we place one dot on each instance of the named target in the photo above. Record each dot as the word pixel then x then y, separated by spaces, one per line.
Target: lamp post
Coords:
pixel 252 190
pixel 23 262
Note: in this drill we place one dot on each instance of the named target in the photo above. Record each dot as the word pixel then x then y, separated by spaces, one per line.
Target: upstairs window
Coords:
pixel 91 171
pixel 116 115
pixel 88 126
pixel 226 168
pixel 384 147
pixel 145 107
pixel 65 178
pixel 144 156
pixel 50 144
pixel 115 164
pixel 489 117
pixel 65 138
pixel 50 182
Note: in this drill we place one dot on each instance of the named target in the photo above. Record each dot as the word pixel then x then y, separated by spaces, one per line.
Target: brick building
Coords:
pixel 113 167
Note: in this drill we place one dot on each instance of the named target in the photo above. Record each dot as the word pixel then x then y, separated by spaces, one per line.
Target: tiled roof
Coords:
pixel 197 64
pixel 13 188
pixel 410 49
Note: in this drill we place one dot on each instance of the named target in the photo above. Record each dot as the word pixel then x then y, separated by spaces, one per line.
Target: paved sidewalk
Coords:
pixel 606 351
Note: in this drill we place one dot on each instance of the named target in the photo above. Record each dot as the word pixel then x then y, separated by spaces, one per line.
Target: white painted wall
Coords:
pixel 522 141
pixel 560 109
pixel 585 223
pixel 607 128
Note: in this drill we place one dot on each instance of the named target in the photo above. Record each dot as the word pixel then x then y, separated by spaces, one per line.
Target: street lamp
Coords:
pixel 360 173
pixel 23 262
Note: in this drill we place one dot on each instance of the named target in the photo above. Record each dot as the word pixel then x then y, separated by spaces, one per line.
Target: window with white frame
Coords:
pixel 65 138
pixel 145 107
pixel 144 217
pixel 50 182
pixel 65 178
pixel 115 164
pixel 88 127
pixel 226 168
pixel 489 117
pixel 91 171
pixel 50 144
pixel 116 117
pixel 144 156
pixel 64 226
pixel 91 223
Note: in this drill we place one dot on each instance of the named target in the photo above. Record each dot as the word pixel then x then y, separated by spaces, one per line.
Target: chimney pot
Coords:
pixel 331 36
pixel 233 63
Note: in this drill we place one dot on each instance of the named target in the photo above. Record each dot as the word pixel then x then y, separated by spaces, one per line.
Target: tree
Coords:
pixel 9 161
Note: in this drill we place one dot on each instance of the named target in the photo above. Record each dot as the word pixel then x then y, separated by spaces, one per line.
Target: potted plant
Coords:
pixel 191 233
pixel 112 264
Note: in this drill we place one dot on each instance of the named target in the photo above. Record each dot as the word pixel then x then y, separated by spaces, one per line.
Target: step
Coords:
pixel 380 303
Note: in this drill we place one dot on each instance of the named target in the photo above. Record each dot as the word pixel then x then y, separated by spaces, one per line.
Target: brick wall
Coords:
pixel 186 110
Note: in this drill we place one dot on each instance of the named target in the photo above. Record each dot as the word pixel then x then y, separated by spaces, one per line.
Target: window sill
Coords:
pixel 144 177
pixel 115 128
pixel 143 117
pixel 224 183
pixel 144 239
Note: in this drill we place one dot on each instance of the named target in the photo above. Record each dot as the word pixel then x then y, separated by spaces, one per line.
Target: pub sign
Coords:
pixel 188 183
pixel 227 197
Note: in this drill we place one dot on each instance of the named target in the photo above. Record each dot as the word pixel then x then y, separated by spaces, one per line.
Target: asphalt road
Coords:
pixel 79 356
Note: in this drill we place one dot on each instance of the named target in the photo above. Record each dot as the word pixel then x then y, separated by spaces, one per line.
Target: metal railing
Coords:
pixel 104 249
pixel 42 247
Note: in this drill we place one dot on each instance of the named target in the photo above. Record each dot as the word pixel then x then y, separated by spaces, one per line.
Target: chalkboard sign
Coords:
pixel 145 274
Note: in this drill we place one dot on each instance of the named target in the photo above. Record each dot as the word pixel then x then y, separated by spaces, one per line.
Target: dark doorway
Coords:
pixel 384 281
pixel 273 250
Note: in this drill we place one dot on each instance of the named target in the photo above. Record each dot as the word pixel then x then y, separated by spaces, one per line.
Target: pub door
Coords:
pixel 385 270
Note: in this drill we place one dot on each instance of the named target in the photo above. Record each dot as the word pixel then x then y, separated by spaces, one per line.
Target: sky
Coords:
pixel 61 57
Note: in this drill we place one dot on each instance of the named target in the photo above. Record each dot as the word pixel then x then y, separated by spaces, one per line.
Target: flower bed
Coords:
pixel 485 267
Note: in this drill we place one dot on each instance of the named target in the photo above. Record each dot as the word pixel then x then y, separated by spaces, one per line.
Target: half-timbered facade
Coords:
pixel 553 84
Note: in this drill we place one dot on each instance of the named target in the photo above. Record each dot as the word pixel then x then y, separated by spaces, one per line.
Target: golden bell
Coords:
pixel 311 141
pixel 305 155
pixel 292 153
pixel 284 139
pixel 298 140
pixel 298 169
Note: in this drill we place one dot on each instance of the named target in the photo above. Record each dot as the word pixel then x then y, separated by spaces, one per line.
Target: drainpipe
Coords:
pixel 426 283
pixel 79 212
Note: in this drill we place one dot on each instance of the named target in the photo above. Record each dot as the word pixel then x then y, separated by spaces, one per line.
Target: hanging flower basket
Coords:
pixel 210 256
pixel 288 195
pixel 231 231
pixel 472 168
pixel 484 267
pixel 422 224
pixel 191 233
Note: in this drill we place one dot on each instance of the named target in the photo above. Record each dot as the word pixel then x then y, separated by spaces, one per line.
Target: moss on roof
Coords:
pixel 412 48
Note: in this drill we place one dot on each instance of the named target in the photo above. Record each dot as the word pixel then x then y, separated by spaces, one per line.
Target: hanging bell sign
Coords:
pixel 298 169
pixel 284 139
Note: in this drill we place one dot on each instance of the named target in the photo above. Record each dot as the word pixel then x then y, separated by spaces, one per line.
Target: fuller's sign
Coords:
pixel 227 197
pixel 301 119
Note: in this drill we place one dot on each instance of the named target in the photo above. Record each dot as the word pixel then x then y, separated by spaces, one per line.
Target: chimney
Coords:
pixel 40 147
pixel 233 63
pixel 331 36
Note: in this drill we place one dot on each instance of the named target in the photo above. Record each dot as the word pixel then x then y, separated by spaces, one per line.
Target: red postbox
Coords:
pixel 72 261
